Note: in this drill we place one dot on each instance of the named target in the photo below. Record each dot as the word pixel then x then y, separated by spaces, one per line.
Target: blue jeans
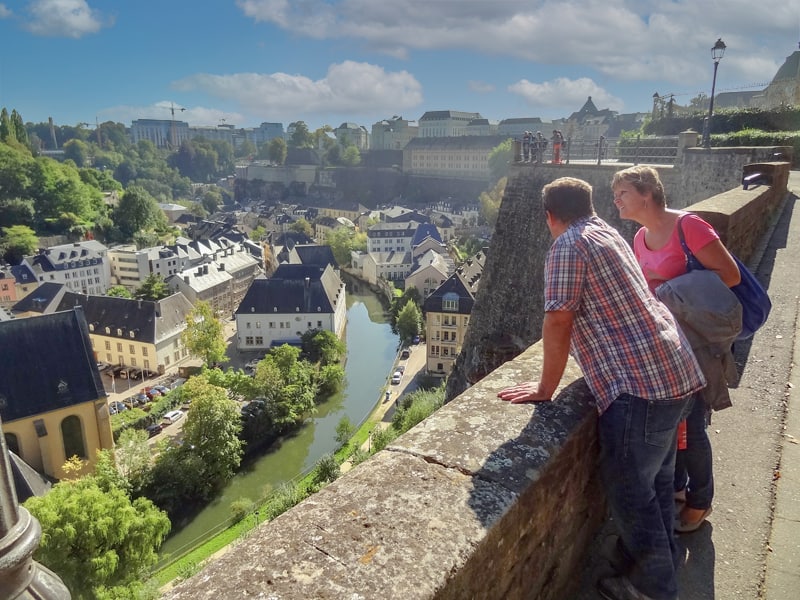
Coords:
pixel 637 461
pixel 694 466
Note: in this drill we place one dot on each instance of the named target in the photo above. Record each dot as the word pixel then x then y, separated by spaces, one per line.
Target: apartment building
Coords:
pixel 82 267
pixel 447 313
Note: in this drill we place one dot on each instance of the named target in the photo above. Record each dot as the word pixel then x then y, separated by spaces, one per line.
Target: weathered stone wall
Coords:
pixel 482 500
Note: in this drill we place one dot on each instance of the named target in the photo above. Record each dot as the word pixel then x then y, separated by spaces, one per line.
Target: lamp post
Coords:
pixel 717 52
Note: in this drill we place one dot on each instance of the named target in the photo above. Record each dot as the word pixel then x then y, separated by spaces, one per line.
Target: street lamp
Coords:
pixel 717 52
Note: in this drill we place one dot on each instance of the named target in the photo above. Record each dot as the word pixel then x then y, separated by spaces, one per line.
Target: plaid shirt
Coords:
pixel 623 338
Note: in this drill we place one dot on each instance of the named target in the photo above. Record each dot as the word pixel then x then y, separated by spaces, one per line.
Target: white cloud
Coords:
pixel 622 39
pixel 5 12
pixel 564 92
pixel 63 18
pixel 348 88
pixel 481 87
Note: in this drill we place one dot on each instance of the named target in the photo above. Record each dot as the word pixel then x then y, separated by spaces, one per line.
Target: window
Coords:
pixel 247 326
pixel 319 324
pixel 108 345
pixel 133 362
pixel 13 443
pixel 119 347
pixel 72 437
pixel 272 324
pixel 147 365
pixel 258 325
pixel 259 340
pixel 248 341
pixel 144 351
pixel 166 360
pixel 450 302
pixel 132 349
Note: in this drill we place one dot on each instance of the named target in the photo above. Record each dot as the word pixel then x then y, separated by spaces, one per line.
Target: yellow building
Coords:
pixel 52 401
pixel 447 311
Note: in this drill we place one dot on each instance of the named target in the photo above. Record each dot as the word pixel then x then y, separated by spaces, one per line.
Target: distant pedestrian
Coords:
pixel 526 146
pixel 557 140
pixel 540 143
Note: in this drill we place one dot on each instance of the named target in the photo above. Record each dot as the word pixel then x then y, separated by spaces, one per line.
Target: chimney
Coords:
pixel 186 279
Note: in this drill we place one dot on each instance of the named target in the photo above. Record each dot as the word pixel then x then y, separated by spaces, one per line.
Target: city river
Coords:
pixel 371 350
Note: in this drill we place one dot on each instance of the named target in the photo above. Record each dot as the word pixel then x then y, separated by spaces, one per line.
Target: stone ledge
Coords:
pixel 483 500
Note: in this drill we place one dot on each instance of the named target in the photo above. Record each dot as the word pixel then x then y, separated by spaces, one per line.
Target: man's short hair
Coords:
pixel 568 199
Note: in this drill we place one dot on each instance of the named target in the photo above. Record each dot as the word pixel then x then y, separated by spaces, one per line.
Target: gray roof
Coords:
pixel 312 254
pixel 46 363
pixel 292 289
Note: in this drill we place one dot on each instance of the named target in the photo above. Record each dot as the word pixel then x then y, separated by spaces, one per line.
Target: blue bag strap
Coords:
pixel 692 263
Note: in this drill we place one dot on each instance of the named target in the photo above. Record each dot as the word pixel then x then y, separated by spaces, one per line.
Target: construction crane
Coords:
pixel 172 137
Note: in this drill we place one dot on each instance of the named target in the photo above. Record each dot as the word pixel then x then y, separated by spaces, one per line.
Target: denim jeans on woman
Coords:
pixel 637 450
pixel 693 466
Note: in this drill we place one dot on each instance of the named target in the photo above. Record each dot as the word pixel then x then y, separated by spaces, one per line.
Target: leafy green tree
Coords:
pixel 490 201
pixel 500 159
pixel 330 379
pixel 245 149
pixel 301 226
pixel 137 210
pixel 96 538
pixel 344 240
pixel 325 471
pixel 277 150
pixel 7 133
pixel 409 322
pixel 204 335
pixel 344 430
pixel 18 127
pixel 399 302
pixel 133 456
pixel 17 242
pixel 16 211
pixel 212 431
pixel 351 157
pixel 119 291
pixel 77 151
pixel 153 288
pixel 302 138
pixel 322 346
pixel 211 200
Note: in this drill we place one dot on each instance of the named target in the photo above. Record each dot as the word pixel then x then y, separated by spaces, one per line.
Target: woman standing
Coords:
pixel 639 196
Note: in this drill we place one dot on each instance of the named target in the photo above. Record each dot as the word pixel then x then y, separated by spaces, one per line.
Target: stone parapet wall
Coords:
pixel 482 500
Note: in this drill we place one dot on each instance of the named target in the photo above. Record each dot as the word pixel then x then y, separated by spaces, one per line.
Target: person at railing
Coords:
pixel 526 146
pixel 639 196
pixel 540 145
pixel 557 140
pixel 640 369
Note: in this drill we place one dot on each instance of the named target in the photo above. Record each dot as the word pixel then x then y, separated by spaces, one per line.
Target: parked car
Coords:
pixel 401 368
pixel 152 392
pixel 138 399
pixel 115 407
pixel 162 389
pixel 396 377
pixel 416 339
pixel 153 430
pixel 405 353
pixel 172 416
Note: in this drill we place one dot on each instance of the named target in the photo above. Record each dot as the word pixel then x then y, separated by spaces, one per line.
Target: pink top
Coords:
pixel 669 261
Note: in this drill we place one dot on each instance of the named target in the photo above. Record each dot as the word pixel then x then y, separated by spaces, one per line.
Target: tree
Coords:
pixel 301 226
pixel 277 150
pixel 204 335
pixel 490 201
pixel 95 537
pixel 344 430
pixel 302 138
pixel 351 157
pixel 409 321
pixel 119 291
pixel 153 288
pixel 17 242
pixel 245 149
pixel 344 240
pixel 16 211
pixel 132 456
pixel 212 431
pixel 137 210
pixel 500 157
pixel 212 198
pixel 322 346
pixel 77 151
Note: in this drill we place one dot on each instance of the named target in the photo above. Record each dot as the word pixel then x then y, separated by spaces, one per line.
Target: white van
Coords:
pixel 172 416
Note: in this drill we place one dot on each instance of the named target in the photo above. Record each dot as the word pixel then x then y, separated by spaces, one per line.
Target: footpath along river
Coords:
pixel 371 350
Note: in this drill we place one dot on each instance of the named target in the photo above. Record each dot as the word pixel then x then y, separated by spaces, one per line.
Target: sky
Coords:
pixel 325 62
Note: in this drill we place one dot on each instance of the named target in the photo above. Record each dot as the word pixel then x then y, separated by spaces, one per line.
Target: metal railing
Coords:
pixel 649 150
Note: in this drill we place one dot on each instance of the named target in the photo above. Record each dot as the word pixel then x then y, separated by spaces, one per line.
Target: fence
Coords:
pixel 661 150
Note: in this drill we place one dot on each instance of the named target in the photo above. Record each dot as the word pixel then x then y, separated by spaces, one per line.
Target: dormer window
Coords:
pixel 119 331
pixel 130 334
pixel 450 302
pixel 91 327
pixel 108 330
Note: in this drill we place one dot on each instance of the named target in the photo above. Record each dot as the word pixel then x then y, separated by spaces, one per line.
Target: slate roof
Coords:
pixel 287 291
pixel 44 299
pixel 312 254
pixel 23 274
pixel 464 282
pixel 425 230
pixel 69 256
pixel 149 321
pixel 46 363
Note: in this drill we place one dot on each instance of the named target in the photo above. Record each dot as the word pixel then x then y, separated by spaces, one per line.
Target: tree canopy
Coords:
pixel 204 336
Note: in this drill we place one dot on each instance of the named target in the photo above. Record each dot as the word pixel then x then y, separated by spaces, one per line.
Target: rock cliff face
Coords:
pixel 507 317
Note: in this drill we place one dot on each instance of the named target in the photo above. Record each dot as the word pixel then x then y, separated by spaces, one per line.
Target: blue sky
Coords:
pixel 243 62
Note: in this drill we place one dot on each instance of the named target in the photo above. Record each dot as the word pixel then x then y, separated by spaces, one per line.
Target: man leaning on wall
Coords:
pixel 640 370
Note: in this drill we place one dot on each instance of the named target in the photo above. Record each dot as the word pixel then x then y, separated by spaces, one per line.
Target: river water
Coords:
pixel 371 350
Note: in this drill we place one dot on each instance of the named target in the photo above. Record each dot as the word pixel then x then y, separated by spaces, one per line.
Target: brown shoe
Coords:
pixel 684 526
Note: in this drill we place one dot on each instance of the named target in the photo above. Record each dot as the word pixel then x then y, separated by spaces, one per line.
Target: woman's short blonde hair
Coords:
pixel 644 179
